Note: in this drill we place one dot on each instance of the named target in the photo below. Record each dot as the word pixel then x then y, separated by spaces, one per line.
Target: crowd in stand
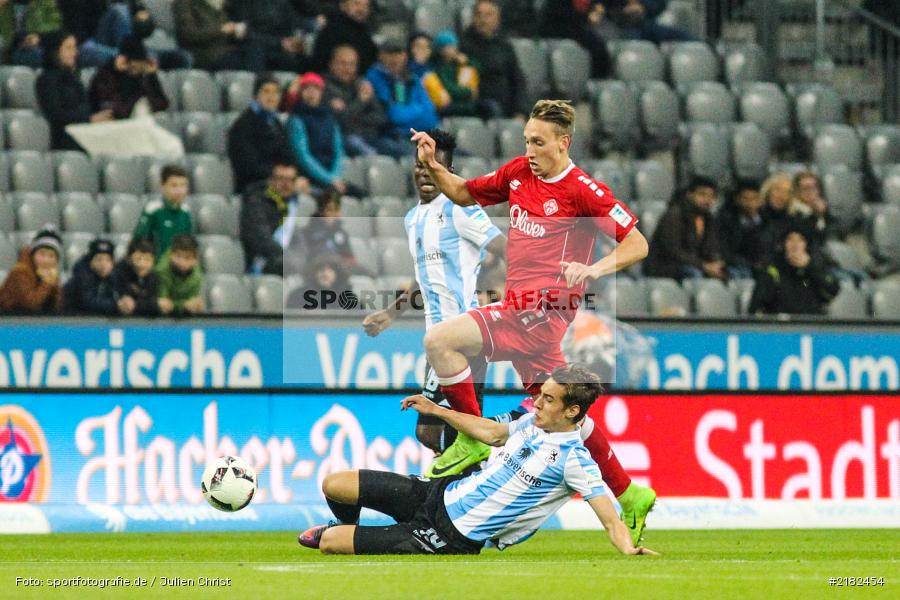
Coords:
pixel 354 97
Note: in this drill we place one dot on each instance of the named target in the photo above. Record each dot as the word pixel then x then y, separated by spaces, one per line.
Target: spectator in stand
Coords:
pixel 274 25
pixel 7 29
pixel 41 18
pixel 316 138
pixel 501 77
pixel 796 282
pixel 685 244
pixel 258 138
pixel 521 18
pixel 636 19
pixel 325 234
pixel 459 78
pixel 143 26
pixel 180 279
pixel 165 219
pixel 776 195
pixel 267 214
pixel 217 43
pixel 323 273
pixel 403 95
pixel 61 93
pixel 99 25
pixel 740 225
pixel 32 287
pixel 128 79
pixel 810 207
pixel 348 27
pixel 135 281
pixel 352 99
pixel 578 20
pixel 420 49
pixel 90 290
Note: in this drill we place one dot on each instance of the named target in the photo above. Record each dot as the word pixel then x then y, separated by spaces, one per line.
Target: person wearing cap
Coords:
pixel 316 138
pixel 458 75
pixel 127 79
pixel 90 289
pixel 32 287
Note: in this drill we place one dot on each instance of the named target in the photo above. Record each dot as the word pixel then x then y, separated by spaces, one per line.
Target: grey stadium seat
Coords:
pixel 509 137
pixel 75 245
pixel 638 60
pixel 125 176
pixel 211 175
pixel 201 133
pixel 358 227
pixel 216 215
pixel 199 92
pixel 7 215
pixel 228 294
pixel 692 61
pixel 616 109
pixel 27 131
pixel 469 167
pixel 532 58
pixel 268 294
pixel 837 145
pixel 885 225
pixel 815 104
pixel 570 68
pixel 750 151
pixel 434 16
pixel 714 299
pixel 844 254
pixel 366 255
pixel 9 253
pixel 473 136
pixel 627 297
pixel 744 62
pixel 706 148
pixel 388 225
pixel 362 284
pixel 850 303
pixel 34 210
pixel 384 177
pixel 708 102
pixel 31 171
pixel 75 173
pixel 890 185
pixel 614 176
pixel 395 258
pixel 659 113
pixel 161 10
pixel 882 143
pixel 221 254
pixel 4 172
pixel 766 105
pixel 123 213
pixel 652 181
pixel 649 216
pixel 355 171
pixel 884 299
pixel 81 213
pixel 844 190
pixel 667 298
pixel 18 87
pixel 237 88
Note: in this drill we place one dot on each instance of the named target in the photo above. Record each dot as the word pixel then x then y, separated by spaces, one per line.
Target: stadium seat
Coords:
pixel 18 87
pixel 221 254
pixel 434 16
pixel 570 68
pixel 850 303
pixel 844 254
pixel 199 92
pixel 161 11
pixel 34 210
pixel 123 213
pixel 890 185
pixel 534 64
pixel 215 215
pixel 638 60
pixel 706 150
pixel 31 171
pixel 268 294
pixel 473 136
pixel 691 62
pixel 708 102
pixel 201 133
pixel 360 227
pixel 125 176
pixel 355 171
pixel 228 294
pixel 713 299
pixel 75 246
pixel 837 145
pixel 614 176
pixel 844 190
pixel 616 111
pixel 22 239
pixel 81 213
pixel 509 137
pixel 815 104
pixel 394 255
pixel 7 215
pixel 237 88
pixel 681 14
pixel 469 167
pixel 885 225
pixel 667 298
pixel 882 143
pixel 649 216
pixel 750 152
pixel 384 177
pixel 170 121
pixel 366 255
pixel 362 284
pixel 27 131
pixel 652 181
pixel 4 172
pixel 744 62
pixel 626 297
pixel 743 290
pixel 766 105
pixel 884 299
pixel 659 113
pixel 211 175
pixel 75 173
pixel 9 252
pixel 388 225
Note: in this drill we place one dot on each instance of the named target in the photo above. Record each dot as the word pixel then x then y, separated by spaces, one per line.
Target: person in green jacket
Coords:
pixel 180 278
pixel 41 18
pixel 165 219
pixel 458 75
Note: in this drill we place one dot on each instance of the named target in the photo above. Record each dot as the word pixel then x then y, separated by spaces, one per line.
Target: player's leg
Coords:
pixel 447 346
pixel 431 431
pixel 397 496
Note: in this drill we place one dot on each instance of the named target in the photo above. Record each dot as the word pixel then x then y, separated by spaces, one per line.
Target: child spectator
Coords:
pixel 180 278
pixel 32 287
pixel 129 78
pixel 165 219
pixel 459 78
pixel 135 281
pixel 325 234
pixel 90 290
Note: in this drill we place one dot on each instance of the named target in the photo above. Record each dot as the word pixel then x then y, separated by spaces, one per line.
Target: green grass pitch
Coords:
pixel 554 564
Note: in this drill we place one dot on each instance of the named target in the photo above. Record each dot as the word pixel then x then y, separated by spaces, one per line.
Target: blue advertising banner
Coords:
pixel 254 355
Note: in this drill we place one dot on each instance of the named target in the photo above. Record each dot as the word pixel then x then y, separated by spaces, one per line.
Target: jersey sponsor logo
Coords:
pixel 24 457
pixel 434 256
pixel 550 207
pixel 519 470
pixel 519 220
pixel 514 184
pixel 620 215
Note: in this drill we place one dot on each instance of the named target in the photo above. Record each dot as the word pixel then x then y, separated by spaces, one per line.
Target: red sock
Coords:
pixel 459 391
pixel 610 467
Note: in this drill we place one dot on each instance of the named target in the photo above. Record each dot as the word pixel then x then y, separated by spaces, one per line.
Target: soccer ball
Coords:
pixel 228 483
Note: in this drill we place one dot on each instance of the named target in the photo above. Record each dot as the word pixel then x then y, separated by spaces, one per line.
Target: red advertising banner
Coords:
pixel 758 446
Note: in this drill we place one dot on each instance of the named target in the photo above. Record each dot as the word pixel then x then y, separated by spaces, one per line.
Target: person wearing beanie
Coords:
pixel 458 76
pixel 90 289
pixel 32 287
pixel 129 78
pixel 135 281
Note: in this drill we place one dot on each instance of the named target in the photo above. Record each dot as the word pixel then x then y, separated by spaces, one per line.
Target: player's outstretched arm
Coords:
pixel 451 185
pixel 486 431
pixel 378 321
pixel 615 529
pixel 631 249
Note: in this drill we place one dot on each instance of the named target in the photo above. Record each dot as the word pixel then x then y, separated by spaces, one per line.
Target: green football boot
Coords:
pixel 637 501
pixel 462 453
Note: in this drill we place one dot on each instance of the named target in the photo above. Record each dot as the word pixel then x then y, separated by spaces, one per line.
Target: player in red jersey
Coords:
pixel 555 212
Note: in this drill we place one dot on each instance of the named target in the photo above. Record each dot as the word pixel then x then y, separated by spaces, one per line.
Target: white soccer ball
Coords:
pixel 228 483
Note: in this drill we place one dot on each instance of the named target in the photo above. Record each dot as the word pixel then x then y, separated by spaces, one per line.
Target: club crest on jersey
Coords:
pixel 550 207
pixel 514 184
pixel 554 456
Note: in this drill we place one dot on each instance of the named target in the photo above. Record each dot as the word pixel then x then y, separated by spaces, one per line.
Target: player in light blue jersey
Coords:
pixel 542 463
pixel 448 243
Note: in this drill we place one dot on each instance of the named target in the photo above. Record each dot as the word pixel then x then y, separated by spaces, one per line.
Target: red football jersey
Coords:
pixel 545 227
